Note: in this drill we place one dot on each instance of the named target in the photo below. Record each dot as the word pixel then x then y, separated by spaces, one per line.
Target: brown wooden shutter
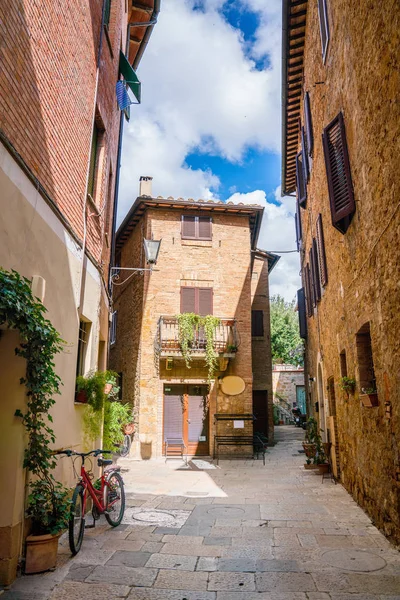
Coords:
pixel 196 418
pixel 188 300
pixel 257 323
pixel 324 26
pixel 323 271
pixel 205 301
pixel 312 281
pixel 315 271
pixel 301 307
pixel 173 419
pixel 188 227
pixel 301 185
pixel 204 228
pixel 307 283
pixel 299 231
pixel 338 173
pixel 304 156
pixel 308 124
pixel 92 162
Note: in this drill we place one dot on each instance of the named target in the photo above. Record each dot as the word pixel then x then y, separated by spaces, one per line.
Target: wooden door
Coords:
pixel 186 418
pixel 260 411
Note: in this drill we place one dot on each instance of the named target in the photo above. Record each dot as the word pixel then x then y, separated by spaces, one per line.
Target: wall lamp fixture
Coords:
pixel 151 250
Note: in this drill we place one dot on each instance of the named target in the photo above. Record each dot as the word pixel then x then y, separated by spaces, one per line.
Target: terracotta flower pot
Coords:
pixel 81 397
pixel 107 388
pixel 323 468
pixel 369 400
pixel 311 466
pixel 41 552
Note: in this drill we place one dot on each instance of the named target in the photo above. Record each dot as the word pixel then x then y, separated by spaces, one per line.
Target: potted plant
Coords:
pixel 93 388
pixel 369 397
pixel 348 385
pixel 309 445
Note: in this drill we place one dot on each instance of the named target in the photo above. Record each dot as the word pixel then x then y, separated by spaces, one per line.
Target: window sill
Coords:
pixel 200 243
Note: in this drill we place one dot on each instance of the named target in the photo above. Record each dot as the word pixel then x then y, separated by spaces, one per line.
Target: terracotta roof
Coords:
pixel 142 203
pixel 294 15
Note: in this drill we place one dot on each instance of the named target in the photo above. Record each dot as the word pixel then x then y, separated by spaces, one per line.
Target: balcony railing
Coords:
pixel 225 338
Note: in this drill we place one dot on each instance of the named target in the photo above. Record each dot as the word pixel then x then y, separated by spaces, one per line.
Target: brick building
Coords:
pixel 208 264
pixel 59 132
pixel 340 151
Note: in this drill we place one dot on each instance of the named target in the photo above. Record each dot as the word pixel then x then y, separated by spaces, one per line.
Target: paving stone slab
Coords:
pixel 167 530
pixel 166 594
pixel 71 590
pixel 172 561
pixel 152 547
pixel 129 545
pixel 181 580
pixel 133 576
pixel 288 566
pixel 239 565
pixel 261 596
pixel 79 572
pixel 189 539
pixel 129 559
pixel 214 541
pixel 285 582
pixel 207 563
pixel 231 581
pixel 193 549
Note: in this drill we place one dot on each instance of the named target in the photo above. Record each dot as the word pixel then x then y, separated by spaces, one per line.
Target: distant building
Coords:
pixel 288 387
pixel 59 133
pixel 208 264
pixel 341 115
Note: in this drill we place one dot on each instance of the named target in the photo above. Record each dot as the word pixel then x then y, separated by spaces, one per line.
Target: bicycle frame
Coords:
pixel 98 496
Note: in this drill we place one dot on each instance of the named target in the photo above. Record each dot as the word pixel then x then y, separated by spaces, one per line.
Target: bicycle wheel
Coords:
pixel 126 446
pixel 115 499
pixel 76 527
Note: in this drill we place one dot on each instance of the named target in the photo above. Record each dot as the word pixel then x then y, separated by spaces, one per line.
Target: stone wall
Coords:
pixel 361 78
pixel 284 383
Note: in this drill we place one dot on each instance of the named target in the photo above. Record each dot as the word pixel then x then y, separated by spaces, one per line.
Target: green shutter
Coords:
pixel 107 12
pixel 130 76
pixel 92 165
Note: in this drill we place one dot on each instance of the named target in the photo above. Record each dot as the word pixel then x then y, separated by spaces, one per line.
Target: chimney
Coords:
pixel 145 186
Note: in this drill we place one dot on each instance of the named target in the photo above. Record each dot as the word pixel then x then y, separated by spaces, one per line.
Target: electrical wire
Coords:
pixel 281 251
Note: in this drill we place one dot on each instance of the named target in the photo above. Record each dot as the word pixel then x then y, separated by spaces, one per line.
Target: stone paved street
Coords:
pixel 240 531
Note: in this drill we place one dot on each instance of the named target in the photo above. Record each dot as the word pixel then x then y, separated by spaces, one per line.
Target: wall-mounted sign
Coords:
pixel 238 424
pixel 232 385
pixel 202 438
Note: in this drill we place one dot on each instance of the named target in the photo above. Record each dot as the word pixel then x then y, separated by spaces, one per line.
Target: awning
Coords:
pixel 130 76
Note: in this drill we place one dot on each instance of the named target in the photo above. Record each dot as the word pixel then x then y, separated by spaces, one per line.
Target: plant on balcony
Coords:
pixel 48 502
pixel 188 326
pixel 210 323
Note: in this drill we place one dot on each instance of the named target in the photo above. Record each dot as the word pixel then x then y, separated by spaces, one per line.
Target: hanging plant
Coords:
pixel 210 323
pixel 188 326
pixel 48 502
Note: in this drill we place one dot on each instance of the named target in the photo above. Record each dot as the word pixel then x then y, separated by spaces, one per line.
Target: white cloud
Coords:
pixel 277 233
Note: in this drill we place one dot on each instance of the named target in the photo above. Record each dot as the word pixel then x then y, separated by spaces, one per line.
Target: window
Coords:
pixel 304 155
pixel 331 397
pixel 197 300
pixel 312 272
pixel 301 307
pixel 107 12
pixel 323 271
pixel 84 331
pixel 308 290
pixel 96 160
pixel 300 181
pixel 338 174
pixel 93 160
pixel 257 323
pixel 315 271
pixel 196 228
pixel 365 358
pixel 299 231
pixel 308 124
pixel 343 364
pixel 324 27
pixel 113 328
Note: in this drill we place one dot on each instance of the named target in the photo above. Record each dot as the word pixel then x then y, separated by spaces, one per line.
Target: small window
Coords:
pixel 324 27
pixel 331 397
pixel 301 181
pixel 337 163
pixel 343 364
pixel 196 228
pixel 308 124
pixel 197 300
pixel 84 331
pixel 257 323
pixel 96 162
pixel 113 328
pixel 365 359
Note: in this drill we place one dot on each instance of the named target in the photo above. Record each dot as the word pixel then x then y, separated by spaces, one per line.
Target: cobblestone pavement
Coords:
pixel 240 531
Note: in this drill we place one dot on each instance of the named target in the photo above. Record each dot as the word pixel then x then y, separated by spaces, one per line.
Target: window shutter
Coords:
pixel 301 185
pixel 308 124
pixel 323 271
pixel 205 301
pixel 188 300
pixel 173 419
pixel 338 173
pixel 188 227
pixel 311 270
pixel 301 307
pixel 298 230
pixel 257 323
pixel 324 27
pixel 315 271
pixel 204 228
pixel 307 282
pixel 92 163
pixel 107 12
pixel 304 156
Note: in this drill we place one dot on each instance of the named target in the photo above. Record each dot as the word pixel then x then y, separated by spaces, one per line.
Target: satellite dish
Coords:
pixel 232 385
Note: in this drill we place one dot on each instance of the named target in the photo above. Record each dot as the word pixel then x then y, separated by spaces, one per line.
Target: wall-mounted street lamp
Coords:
pixel 151 250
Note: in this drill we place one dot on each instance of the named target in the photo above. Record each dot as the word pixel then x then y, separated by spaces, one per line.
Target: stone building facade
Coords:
pixel 288 387
pixel 59 134
pixel 340 151
pixel 211 273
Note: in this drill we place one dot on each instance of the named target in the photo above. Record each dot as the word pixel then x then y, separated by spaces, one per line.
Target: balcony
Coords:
pixel 226 339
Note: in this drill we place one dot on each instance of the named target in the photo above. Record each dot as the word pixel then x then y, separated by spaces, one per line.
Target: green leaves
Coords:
pixel 286 344
pixel 189 325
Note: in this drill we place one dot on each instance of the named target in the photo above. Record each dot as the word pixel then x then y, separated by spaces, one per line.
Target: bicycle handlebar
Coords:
pixel 82 454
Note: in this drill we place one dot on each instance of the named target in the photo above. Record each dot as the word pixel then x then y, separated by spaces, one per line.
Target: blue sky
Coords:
pixel 209 123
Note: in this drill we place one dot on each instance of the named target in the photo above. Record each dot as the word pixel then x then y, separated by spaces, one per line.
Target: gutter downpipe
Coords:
pixel 149 25
pixel 285 20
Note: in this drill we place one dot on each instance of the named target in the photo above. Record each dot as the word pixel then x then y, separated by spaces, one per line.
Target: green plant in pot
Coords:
pixel 348 385
pixel 48 504
pixel 189 325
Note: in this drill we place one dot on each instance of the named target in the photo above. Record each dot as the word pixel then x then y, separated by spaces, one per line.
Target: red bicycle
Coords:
pixel 107 494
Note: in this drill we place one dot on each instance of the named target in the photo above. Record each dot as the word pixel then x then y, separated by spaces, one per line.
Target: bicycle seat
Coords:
pixel 104 462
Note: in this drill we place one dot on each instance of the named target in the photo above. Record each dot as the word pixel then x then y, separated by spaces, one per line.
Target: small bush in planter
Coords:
pixel 96 386
pixel 348 384
pixel 49 506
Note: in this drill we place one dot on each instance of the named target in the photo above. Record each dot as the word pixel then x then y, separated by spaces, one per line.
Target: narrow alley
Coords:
pixel 237 531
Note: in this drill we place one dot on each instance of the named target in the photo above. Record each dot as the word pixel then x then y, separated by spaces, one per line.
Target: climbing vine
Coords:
pixel 40 342
pixel 189 325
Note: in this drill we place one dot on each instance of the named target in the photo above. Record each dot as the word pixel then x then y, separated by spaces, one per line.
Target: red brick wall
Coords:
pixel 48 53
